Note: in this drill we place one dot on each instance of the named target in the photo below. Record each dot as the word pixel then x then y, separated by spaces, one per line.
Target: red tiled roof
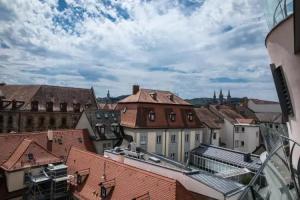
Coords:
pixel 10 142
pixel 20 158
pixel 162 97
pixel 107 106
pixel 136 115
pixel 208 118
pixel 128 182
pixel 245 121
pixel 230 114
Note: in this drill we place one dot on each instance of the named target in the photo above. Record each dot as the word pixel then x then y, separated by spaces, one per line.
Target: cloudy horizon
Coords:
pixel 190 47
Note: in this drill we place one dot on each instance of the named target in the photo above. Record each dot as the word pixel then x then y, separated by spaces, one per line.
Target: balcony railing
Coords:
pixel 277 10
pixel 279 169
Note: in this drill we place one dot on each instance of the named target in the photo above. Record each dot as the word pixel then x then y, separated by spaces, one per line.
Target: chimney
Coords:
pixel 135 89
pixel 50 135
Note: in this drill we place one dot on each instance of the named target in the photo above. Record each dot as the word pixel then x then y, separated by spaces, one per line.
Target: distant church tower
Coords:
pixel 228 97
pixel 221 97
pixel 108 97
pixel 215 97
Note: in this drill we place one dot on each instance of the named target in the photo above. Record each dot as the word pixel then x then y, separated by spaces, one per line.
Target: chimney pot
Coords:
pixel 50 135
pixel 135 89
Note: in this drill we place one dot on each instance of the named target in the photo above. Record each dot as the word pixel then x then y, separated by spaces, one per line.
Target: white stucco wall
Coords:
pixel 250 137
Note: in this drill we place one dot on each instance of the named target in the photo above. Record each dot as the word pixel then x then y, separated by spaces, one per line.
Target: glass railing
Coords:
pixel 280 161
pixel 277 10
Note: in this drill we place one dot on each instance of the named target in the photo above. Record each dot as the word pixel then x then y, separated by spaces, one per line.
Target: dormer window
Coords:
pixel 63 107
pixel 13 104
pixel 34 106
pixel 171 97
pixel 151 116
pixel 76 107
pixel 49 106
pixel 172 116
pixel 100 129
pixel 115 128
pixel 153 95
pixel 190 116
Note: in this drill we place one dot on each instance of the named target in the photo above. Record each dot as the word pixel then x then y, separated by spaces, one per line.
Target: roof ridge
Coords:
pixel 124 165
pixel 40 132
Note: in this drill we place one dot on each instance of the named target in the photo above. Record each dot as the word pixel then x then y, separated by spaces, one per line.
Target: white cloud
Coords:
pixel 217 39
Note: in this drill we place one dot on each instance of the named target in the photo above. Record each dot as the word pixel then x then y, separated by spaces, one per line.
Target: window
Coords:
pixel 49 106
pixel 282 91
pixel 187 138
pixel 10 120
pixel 236 129
pixel 236 143
pixel 173 138
pixel 143 140
pixel 172 156
pixel 190 116
pixel 276 127
pixel 172 116
pixel 34 106
pixel 243 129
pixel 271 125
pixel 76 107
pixel 158 139
pixel 98 115
pixel 1 119
pixel 186 155
pixel 106 115
pixel 242 143
pixel 52 122
pixel 29 122
pixel 63 107
pixel 41 121
pixel 13 104
pixel 197 137
pixel 151 116
pixel 214 135
pixel 63 122
pixel 104 146
pixel 102 129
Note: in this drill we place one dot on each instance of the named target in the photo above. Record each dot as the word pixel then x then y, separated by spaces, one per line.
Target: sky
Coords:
pixel 190 47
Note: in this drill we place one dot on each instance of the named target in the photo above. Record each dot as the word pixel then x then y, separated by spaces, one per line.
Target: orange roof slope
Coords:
pixel 62 142
pixel 29 154
pixel 162 97
pixel 129 182
pixel 208 118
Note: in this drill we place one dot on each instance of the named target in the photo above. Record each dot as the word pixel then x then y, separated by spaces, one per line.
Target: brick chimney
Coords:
pixel 135 89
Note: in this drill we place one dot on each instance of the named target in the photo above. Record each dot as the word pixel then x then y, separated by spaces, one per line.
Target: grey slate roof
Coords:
pixel 107 118
pixel 228 156
pixel 225 186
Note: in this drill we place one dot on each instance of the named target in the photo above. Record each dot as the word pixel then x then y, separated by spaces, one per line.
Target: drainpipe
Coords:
pixel 181 148
pixel 165 149
pixel 233 137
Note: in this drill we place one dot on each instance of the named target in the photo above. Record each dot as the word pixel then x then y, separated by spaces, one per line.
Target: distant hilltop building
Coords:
pixel 42 107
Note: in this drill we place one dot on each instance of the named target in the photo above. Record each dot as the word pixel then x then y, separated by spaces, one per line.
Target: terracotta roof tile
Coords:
pixel 128 182
pixel 10 142
pixel 162 97
pixel 208 118
pixel 20 158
